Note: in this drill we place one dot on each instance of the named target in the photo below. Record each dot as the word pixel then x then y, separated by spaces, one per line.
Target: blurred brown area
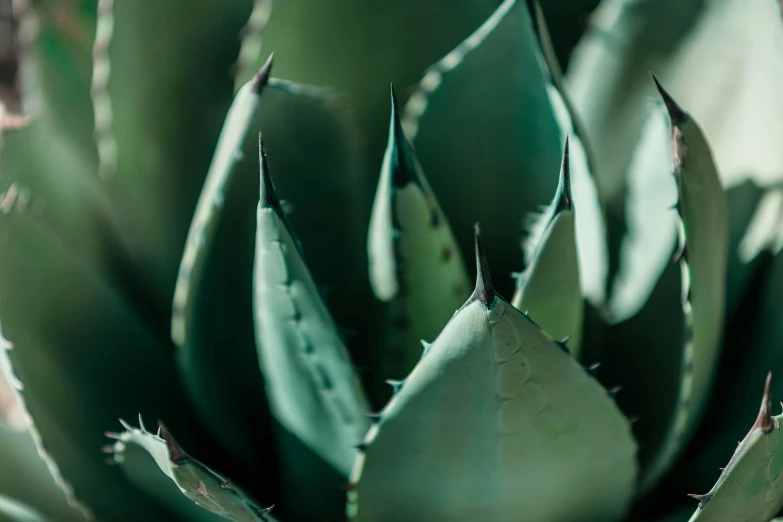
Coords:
pixel 9 64
pixel 10 412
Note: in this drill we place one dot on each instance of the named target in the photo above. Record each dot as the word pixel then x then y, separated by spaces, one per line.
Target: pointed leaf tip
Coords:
pixel 268 197
pixel 564 201
pixel 261 78
pixel 396 123
pixel 677 115
pixel 764 419
pixel 176 454
pixel 403 169
pixel 484 291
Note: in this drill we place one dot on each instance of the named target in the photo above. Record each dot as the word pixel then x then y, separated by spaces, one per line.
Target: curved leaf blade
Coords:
pixel 55 356
pixel 27 477
pixel 13 511
pixel 549 289
pixel 32 476
pixel 626 40
pixel 415 264
pixel 227 153
pixel 313 391
pixel 650 219
pixel 370 41
pixel 702 256
pixel 170 89
pixel 213 366
pixel 685 43
pixel 494 82
pixel 750 351
pixel 751 485
pixel 591 231
pixel 213 493
pixel 445 438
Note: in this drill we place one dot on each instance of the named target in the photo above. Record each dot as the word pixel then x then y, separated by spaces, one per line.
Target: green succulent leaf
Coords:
pixel 26 477
pixel 684 41
pixel 217 378
pixel 702 255
pixel 313 390
pixel 650 283
pixel 227 153
pixel 432 31
pixel 57 70
pixel 65 82
pixel 591 233
pixel 744 133
pixel 198 483
pixel 13 511
pixel 72 390
pixel 114 128
pixel 650 219
pixel 416 267
pixel 28 473
pixel 129 454
pixel 323 201
pixel 105 141
pixel 57 185
pixel 626 40
pixel 753 336
pixel 497 411
pixel 494 83
pixel 750 488
pixel 331 186
pixel 170 88
pixel 371 41
pixel 549 289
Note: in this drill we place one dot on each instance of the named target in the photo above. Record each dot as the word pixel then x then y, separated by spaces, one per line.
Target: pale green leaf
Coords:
pixel 214 376
pixel 723 58
pixel 24 476
pixel 751 350
pixel 549 288
pixel 486 103
pixel 703 253
pixel 313 390
pixel 416 267
pixel 495 423
pixel 212 496
pixel 750 487
pixel 608 76
pixel 591 233
pixel 650 218
pixel 13 511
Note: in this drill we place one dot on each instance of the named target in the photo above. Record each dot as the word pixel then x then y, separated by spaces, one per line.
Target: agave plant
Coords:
pixel 312 333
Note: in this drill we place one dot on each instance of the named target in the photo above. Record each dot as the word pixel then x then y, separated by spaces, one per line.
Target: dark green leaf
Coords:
pixel 488 108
